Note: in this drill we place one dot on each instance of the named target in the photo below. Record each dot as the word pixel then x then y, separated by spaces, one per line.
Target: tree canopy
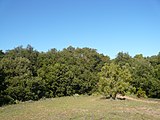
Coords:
pixel 27 74
pixel 114 80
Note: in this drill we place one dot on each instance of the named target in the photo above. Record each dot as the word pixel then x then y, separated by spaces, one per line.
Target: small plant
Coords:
pixel 141 93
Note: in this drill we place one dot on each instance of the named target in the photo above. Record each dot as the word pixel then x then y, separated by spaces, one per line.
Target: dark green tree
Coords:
pixel 17 72
pixel 143 74
pixel 123 58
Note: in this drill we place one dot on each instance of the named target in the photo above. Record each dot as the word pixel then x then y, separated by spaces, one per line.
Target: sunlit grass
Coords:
pixel 81 108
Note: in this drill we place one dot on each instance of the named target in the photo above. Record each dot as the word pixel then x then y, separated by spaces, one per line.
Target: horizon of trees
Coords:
pixel 45 51
pixel 27 74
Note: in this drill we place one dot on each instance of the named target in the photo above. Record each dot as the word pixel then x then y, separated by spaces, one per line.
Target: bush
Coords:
pixel 141 93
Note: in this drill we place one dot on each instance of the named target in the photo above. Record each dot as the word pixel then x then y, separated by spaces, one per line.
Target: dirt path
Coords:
pixel 141 100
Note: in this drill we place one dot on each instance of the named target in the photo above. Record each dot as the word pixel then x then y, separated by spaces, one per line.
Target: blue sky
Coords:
pixel 110 26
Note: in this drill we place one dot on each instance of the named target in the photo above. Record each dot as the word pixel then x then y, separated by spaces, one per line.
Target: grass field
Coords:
pixel 82 108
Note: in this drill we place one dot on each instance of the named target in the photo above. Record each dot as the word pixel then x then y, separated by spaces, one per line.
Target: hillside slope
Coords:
pixel 82 108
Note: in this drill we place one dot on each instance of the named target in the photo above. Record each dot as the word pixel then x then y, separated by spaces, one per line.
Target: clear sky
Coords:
pixel 110 26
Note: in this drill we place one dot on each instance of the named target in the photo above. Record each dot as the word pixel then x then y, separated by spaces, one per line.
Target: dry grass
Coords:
pixel 82 108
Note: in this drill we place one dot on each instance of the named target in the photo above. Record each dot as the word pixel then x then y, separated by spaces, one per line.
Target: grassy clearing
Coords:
pixel 82 108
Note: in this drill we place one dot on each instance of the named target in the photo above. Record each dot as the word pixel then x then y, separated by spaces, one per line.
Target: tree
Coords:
pixel 17 72
pixel 1 54
pixel 28 53
pixel 58 79
pixel 123 59
pixel 114 80
pixel 143 74
pixel 26 74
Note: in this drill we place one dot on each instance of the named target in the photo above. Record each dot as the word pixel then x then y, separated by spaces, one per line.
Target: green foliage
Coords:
pixel 141 93
pixel 155 89
pixel 1 54
pixel 114 80
pixel 122 59
pixel 26 74
pixel 58 79
pixel 143 74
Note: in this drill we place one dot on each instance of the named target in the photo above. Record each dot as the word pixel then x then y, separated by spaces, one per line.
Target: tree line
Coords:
pixel 27 74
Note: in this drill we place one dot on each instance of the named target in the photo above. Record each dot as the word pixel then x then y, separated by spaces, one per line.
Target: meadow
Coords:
pixel 83 108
